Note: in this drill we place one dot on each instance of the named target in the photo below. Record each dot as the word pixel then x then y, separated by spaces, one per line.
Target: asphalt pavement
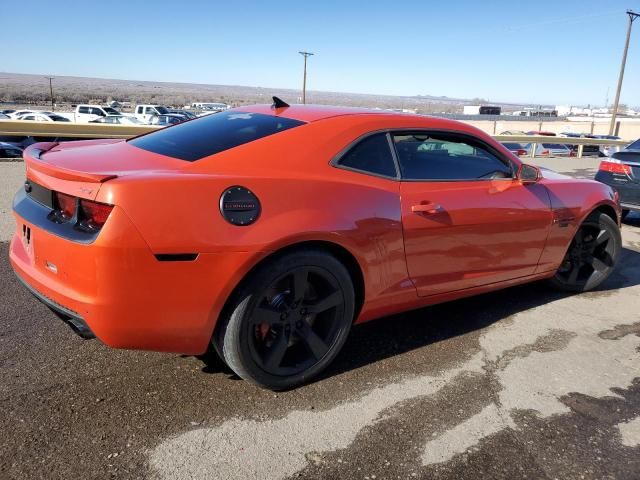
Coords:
pixel 521 383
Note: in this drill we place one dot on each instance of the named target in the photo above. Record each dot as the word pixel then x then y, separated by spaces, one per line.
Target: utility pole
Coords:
pixel 53 108
pixel 632 16
pixel 304 78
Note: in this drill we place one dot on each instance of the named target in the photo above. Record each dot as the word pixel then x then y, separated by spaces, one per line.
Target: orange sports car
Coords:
pixel 265 232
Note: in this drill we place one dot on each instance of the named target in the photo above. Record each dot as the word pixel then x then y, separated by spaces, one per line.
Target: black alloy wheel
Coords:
pixel 592 255
pixel 290 320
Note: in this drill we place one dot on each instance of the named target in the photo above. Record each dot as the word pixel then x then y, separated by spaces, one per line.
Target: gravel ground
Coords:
pixel 522 383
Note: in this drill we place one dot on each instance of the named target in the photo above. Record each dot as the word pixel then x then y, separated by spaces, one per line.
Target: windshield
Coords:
pixel 111 111
pixel 162 110
pixel 212 134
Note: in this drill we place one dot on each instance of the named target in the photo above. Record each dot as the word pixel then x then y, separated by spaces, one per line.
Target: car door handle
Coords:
pixel 429 208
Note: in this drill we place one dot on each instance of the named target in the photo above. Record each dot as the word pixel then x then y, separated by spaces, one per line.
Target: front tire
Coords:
pixel 592 255
pixel 289 320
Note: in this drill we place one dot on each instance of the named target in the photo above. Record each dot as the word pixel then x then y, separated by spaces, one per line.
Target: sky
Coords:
pixel 564 52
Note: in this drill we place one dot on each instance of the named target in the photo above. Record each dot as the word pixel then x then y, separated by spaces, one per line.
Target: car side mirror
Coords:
pixel 528 174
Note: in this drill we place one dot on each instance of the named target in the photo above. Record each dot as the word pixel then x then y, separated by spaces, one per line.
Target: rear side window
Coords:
pixel 634 146
pixel 371 155
pixel 83 110
pixel 212 134
pixel 447 157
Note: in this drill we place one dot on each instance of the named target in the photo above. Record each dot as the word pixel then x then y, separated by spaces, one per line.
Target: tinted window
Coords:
pixel 83 109
pixel 634 146
pixel 557 146
pixel 447 157
pixel 10 153
pixel 212 134
pixel 371 155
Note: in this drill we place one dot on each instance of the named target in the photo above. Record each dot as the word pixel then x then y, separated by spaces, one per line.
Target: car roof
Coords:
pixel 311 113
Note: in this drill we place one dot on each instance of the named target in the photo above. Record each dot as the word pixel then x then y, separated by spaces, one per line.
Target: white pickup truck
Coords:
pixel 145 113
pixel 89 113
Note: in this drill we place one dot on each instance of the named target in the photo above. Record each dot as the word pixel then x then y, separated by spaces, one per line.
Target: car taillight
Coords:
pixel 66 206
pixel 93 215
pixel 521 152
pixel 545 152
pixel 615 166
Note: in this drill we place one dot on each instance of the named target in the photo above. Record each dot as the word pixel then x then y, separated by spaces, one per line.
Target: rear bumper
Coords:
pixel 116 289
pixel 71 318
pixel 628 191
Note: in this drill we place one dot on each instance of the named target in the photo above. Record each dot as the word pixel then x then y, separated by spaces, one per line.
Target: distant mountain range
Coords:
pixel 19 88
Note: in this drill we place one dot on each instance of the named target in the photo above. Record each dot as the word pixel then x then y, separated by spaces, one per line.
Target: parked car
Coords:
pixel 246 232
pixel 189 115
pixel 517 148
pixel 605 150
pixel 145 113
pixel 513 132
pixel 550 150
pixel 634 146
pixel 587 150
pixel 89 113
pixel 543 133
pixel 17 113
pixel 9 150
pixel 118 120
pixel 622 173
pixel 168 119
pixel 7 111
pixel 43 117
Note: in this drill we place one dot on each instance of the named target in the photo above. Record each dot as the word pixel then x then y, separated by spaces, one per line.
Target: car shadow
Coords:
pixel 398 334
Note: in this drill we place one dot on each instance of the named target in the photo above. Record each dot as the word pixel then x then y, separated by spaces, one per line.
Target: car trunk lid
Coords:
pixel 80 168
pixel 632 160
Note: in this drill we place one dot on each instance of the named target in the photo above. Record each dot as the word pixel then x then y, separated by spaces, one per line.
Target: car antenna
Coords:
pixel 279 103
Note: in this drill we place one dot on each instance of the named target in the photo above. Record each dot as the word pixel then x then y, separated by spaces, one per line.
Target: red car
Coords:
pixel 265 232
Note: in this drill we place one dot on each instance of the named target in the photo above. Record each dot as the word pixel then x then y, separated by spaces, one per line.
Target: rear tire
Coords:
pixel 288 320
pixel 592 255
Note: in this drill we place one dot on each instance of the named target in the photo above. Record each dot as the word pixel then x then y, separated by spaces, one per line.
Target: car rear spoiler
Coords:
pixel 32 157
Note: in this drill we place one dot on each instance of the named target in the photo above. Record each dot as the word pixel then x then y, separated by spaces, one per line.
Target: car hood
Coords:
pixel 553 175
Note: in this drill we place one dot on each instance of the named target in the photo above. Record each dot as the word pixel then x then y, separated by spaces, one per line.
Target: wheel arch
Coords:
pixel 343 255
pixel 607 210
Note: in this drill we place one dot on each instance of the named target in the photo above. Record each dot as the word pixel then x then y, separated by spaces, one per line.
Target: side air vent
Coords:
pixel 176 257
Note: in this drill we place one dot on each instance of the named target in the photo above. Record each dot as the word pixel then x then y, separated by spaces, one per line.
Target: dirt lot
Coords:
pixel 523 383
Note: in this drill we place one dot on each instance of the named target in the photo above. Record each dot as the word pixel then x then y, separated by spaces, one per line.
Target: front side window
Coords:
pixel 371 155
pixel 447 157
pixel 212 134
